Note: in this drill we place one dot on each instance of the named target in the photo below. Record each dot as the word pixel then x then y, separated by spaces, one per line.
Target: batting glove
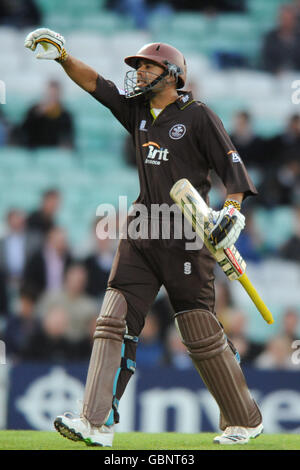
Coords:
pixel 228 224
pixel 51 42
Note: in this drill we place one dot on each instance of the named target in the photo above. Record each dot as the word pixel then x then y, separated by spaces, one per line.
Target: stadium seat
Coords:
pixel 238 26
pixel 14 156
pixel 191 24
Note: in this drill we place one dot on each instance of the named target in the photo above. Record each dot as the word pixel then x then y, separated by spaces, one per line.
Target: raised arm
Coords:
pixel 80 73
pixel 53 49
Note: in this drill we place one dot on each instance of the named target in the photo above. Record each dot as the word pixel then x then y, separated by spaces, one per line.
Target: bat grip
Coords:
pixel 253 294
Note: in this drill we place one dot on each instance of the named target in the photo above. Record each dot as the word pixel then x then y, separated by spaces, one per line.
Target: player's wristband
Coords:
pixel 63 57
pixel 232 202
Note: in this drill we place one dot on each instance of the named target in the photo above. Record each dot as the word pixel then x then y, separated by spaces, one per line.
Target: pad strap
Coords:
pixel 126 364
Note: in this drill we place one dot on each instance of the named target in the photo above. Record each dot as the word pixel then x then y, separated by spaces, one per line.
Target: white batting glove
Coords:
pixel 51 42
pixel 228 224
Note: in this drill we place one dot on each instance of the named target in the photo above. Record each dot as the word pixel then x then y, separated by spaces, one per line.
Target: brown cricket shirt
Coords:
pixel 186 140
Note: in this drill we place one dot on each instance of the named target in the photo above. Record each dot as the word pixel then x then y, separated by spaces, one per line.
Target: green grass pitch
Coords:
pixel 40 440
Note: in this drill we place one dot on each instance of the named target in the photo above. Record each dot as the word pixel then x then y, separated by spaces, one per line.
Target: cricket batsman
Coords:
pixel 175 137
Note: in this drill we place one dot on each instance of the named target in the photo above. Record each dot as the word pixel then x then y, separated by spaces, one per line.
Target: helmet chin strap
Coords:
pixel 149 87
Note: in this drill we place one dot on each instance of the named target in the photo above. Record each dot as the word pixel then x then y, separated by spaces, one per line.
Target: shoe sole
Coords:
pixel 72 435
pixel 67 432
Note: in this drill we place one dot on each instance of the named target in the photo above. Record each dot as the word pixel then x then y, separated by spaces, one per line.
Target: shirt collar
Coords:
pixel 185 98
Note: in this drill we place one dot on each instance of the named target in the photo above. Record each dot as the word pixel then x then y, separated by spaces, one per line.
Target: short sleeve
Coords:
pixel 221 154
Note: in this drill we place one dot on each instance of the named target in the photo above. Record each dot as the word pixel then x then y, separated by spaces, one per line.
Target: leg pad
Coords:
pixel 208 348
pixel 106 358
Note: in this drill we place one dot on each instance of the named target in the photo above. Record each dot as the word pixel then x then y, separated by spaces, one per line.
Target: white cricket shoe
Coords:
pixel 238 435
pixel 80 429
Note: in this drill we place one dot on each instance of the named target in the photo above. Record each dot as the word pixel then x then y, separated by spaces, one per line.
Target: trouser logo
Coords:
pixel 187 268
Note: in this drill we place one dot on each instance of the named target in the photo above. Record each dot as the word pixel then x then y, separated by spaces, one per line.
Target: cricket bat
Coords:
pixel 230 260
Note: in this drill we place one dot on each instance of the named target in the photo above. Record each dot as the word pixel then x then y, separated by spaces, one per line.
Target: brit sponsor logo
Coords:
pixel 177 132
pixel 156 154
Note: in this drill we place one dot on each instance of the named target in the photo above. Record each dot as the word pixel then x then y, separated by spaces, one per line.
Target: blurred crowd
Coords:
pixel 20 13
pixel 50 299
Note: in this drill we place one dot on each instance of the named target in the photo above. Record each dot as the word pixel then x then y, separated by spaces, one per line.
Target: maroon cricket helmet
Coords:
pixel 165 56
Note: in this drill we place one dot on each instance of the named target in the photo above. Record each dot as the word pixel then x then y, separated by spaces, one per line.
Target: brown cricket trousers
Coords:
pixel 139 269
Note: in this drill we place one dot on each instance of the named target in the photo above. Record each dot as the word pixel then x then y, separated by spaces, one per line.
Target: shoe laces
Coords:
pixel 235 431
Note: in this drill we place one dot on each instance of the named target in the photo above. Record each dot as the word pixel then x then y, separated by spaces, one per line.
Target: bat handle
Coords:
pixel 253 294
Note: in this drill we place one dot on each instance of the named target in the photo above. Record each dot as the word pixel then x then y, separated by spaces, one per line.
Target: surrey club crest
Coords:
pixel 177 131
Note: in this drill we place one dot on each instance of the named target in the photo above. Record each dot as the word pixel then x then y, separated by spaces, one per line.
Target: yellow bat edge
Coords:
pixel 253 294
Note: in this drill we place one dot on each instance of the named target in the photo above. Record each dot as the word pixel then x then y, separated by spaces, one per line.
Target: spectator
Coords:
pixel 210 6
pixel 48 123
pixel 282 181
pixel 4 299
pixel 42 220
pixel 16 246
pixel 4 128
pixel 285 147
pixel 223 299
pixel 21 326
pixel 250 243
pixel 177 355
pixel 250 146
pixel 236 329
pixel 291 249
pixel 80 309
pixel 290 322
pixel 150 350
pixel 135 9
pixel 46 267
pixel 49 340
pixel 281 51
pixel 19 13
pixel 99 262
pixel 277 355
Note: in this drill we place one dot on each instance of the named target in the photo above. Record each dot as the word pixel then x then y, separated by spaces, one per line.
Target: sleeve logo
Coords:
pixel 177 132
pixel 234 156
